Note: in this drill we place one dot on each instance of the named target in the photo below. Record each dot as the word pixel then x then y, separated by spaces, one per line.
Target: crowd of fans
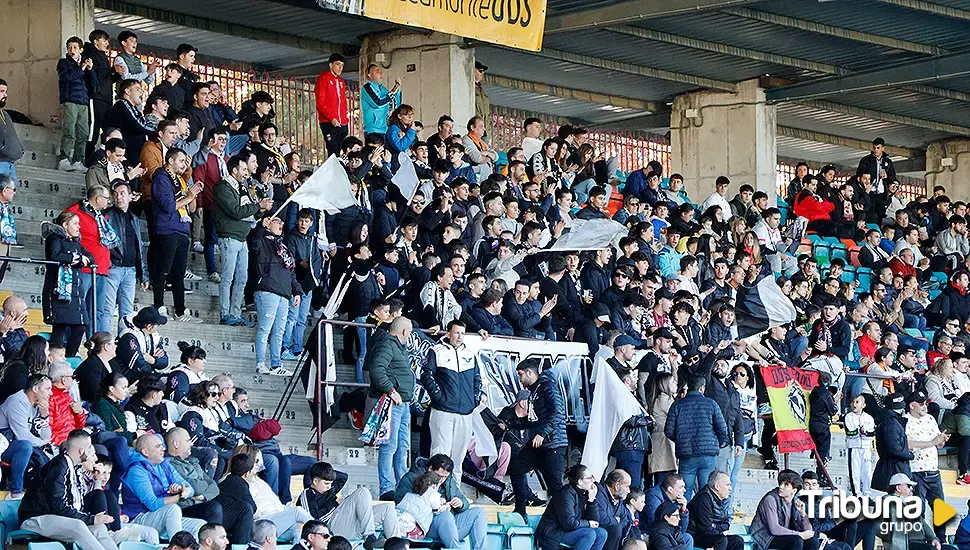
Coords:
pixel 127 447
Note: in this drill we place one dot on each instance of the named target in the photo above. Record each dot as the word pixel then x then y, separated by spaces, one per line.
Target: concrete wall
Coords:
pixel 32 41
pixel 435 72
pixel 733 135
pixel 955 178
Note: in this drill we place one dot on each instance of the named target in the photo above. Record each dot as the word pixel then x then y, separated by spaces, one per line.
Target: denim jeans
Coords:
pixel 915 321
pixel 362 340
pixel 9 169
pixel 119 292
pixel 90 314
pixel 450 529
pixel 581 190
pixel 727 462
pixel 392 457
pixel 585 538
pixel 235 273
pixel 296 325
pixel 270 322
pixel 18 456
pixel 696 469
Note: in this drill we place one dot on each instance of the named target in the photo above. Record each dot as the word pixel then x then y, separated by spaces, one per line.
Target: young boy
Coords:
pixel 823 408
pixel 302 244
pixel 73 80
pixel 859 429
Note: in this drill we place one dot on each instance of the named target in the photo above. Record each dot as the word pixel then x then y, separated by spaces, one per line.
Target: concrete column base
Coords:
pixel 956 177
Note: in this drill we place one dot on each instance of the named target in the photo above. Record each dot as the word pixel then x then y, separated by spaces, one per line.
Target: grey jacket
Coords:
pixel 201 483
pixel 21 420
pixel 10 148
pixel 948 242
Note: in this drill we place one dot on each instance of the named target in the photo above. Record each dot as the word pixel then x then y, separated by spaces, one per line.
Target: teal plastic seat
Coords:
pixel 136 545
pixel 50 545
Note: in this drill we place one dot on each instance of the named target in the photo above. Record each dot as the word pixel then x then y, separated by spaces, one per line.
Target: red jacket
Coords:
pixel 331 92
pixel 91 240
pixel 62 418
pixel 208 175
pixel 901 269
pixel 867 348
pixel 811 208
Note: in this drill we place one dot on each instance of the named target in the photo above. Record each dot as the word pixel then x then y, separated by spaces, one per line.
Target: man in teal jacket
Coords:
pixel 376 101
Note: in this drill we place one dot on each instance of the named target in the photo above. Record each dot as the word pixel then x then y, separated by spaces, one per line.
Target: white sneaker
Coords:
pixel 65 166
pixel 278 371
pixel 15 496
pixel 163 311
pixel 189 276
pixel 215 278
pixel 197 247
pixel 186 318
pixel 80 167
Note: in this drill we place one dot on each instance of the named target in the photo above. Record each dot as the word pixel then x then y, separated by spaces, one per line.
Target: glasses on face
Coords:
pixel 213 394
pixel 324 535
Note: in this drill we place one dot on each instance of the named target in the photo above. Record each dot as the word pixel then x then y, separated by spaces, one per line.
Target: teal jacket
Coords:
pixel 376 103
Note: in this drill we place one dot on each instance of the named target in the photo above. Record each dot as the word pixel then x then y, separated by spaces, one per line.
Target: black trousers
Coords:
pixel 210 511
pixel 237 518
pixel 334 137
pixel 171 255
pixel 930 487
pixel 718 542
pixel 792 542
pixel 98 501
pixel 68 336
pixel 100 108
pixel 614 536
pixel 549 463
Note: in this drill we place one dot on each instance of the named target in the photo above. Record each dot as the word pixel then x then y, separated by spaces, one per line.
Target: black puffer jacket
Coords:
pixel 66 251
pixel 892 449
pixel 569 510
pixel 549 408
pixel 634 435
pixel 273 274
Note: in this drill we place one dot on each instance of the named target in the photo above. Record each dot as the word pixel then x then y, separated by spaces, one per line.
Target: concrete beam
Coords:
pixel 644 122
pixel 929 7
pixel 221 27
pixel 570 93
pixel 840 32
pixel 852 143
pixel 634 10
pixel 887 117
pixel 895 75
pixel 640 70
pixel 912 165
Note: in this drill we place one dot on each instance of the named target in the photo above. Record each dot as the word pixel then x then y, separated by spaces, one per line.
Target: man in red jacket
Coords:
pixel 96 238
pixel 65 414
pixel 332 111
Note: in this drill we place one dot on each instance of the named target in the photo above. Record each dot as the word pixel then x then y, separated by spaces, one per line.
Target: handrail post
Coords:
pixel 319 391
pixel 94 298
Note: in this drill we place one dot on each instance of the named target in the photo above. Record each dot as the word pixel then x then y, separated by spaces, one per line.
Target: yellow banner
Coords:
pixel 515 23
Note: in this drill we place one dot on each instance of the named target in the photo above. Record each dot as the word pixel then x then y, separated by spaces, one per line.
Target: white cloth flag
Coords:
pixel 613 404
pixel 406 178
pixel 328 189
pixel 485 446
pixel 590 235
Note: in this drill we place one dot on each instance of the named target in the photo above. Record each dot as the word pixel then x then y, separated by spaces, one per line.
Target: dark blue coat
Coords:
pixel 610 511
pixel 493 324
pixel 73 82
pixel 550 411
pixel 522 317
pixel 892 448
pixel 689 425
pixel 567 511
pixel 653 498
pixel 595 279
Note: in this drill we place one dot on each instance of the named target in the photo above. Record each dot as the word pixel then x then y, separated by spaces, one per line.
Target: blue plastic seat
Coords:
pixel 864 276
pixel 839 250
pixel 135 545
pixel 822 253
pixel 50 545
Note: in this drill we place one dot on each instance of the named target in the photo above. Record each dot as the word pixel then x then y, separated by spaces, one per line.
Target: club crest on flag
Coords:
pixel 796 401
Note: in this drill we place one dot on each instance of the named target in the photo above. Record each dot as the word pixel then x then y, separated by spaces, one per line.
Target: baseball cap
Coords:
pixel 149 315
pixel 918 396
pixel 895 401
pixel 523 395
pixel 481 66
pixel 601 312
pixel 663 293
pixel 904 350
pixel 663 333
pixel 901 479
pixel 624 340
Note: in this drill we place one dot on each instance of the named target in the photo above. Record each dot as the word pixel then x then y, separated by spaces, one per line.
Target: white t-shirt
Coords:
pixel 923 430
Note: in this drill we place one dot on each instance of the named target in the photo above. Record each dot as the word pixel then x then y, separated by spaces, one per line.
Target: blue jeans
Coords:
pixel 696 469
pixel 727 462
pixel 362 340
pixel 581 190
pixel 119 292
pixel 235 273
pixel 392 457
pixel 585 538
pixel 296 324
pixel 270 323
pixel 914 321
pixel 90 314
pixel 10 169
pixel 450 530
pixel 18 456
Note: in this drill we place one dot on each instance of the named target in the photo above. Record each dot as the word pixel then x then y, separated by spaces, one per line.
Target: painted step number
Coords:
pixel 355 457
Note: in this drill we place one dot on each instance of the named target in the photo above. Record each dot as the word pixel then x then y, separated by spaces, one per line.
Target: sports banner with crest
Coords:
pixel 788 389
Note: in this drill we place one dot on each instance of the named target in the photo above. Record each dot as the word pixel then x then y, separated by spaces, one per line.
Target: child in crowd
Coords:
pixel 417 509
pixel 73 79
pixel 859 430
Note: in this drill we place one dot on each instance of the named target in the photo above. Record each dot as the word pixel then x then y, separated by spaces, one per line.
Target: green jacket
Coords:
pixel 448 490
pixel 387 362
pixel 197 478
pixel 229 213
pixel 113 418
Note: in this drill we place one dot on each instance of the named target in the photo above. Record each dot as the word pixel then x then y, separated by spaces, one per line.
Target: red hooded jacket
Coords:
pixel 62 419
pixel 811 208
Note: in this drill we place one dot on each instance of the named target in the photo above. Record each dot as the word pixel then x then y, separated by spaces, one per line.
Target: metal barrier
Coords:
pixel 5 260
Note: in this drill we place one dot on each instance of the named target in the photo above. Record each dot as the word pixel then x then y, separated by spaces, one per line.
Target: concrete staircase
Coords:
pixel 44 192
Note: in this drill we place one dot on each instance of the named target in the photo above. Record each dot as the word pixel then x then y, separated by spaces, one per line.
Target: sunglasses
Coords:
pixel 213 394
pixel 324 535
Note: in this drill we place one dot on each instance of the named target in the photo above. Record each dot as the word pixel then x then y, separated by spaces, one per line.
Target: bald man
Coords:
pixel 12 333
pixel 152 488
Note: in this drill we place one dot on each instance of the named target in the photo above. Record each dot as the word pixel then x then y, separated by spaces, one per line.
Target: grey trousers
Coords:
pixel 168 520
pixel 354 517
pixel 451 434
pixel 87 537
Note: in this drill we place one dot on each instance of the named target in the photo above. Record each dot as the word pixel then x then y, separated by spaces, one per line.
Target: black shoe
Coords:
pixel 771 464
pixel 370 542
pixel 535 501
pixel 387 497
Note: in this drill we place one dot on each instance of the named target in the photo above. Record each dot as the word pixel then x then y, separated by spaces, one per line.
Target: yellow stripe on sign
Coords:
pixel 942 512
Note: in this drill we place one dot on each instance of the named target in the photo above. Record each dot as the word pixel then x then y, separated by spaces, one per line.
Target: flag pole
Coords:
pixel 282 206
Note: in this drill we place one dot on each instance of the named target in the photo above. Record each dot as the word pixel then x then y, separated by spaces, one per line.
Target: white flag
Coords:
pixel 613 404
pixel 590 235
pixel 406 178
pixel 328 189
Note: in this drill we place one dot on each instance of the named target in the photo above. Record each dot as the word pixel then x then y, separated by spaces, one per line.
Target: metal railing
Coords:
pixel 6 260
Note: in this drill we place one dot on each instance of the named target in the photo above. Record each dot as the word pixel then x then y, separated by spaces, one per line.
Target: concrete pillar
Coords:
pixel 726 134
pixel 435 70
pixel 33 40
pixel 956 177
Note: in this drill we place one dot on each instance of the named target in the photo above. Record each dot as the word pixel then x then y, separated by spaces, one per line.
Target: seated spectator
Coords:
pixel 189 373
pixel 139 351
pixel 572 515
pixel 54 507
pixel 146 405
pixel 92 371
pixel 351 516
pixel 12 332
pixel 204 424
pixel 710 519
pixel 23 422
pixel 846 533
pixel 952 243
pixel 152 489
pixel 263 537
pixel 213 537
pixel 32 358
pixel 114 390
pixel 665 532
pixel 8 190
pixel 916 535
pixel 671 489
pixel 234 494
pixel 314 536
pixel 288 518
pixel 613 514
pixel 64 413
pixel 780 521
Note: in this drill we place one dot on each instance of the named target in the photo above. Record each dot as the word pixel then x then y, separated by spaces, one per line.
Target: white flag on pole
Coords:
pixel 613 404
pixel 590 235
pixel 406 178
pixel 328 189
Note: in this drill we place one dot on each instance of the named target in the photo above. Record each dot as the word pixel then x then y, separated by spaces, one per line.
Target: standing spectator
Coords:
pixel 152 158
pixel 209 173
pixel 546 443
pixel 454 384
pixel 128 269
pixel 111 168
pixel 126 115
pixel 100 85
pixel 439 306
pixel 657 400
pixel 697 428
pixel 8 190
pixel 632 443
pixel 185 59
pixel 55 507
pixel 710 518
pixel 531 143
pixel 23 421
pixel 911 535
pixel 331 98
pixel 276 288
pixel 878 165
pixel 222 113
pixel 892 445
pixel 302 243
pixel 98 238
pixel 128 64
pixel 376 101
pixel 200 118
pixel 234 216
pixel 572 515
pixel 482 108
pixel 822 404
pixel 74 78
pixel 391 374
pixel 859 429
pixel 480 154
pixel 924 437
pixel 171 200
pixel 10 148
pixel 401 134
pixel 63 298
pixel 780 521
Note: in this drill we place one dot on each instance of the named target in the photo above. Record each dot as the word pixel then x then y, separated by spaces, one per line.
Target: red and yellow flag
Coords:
pixel 788 389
